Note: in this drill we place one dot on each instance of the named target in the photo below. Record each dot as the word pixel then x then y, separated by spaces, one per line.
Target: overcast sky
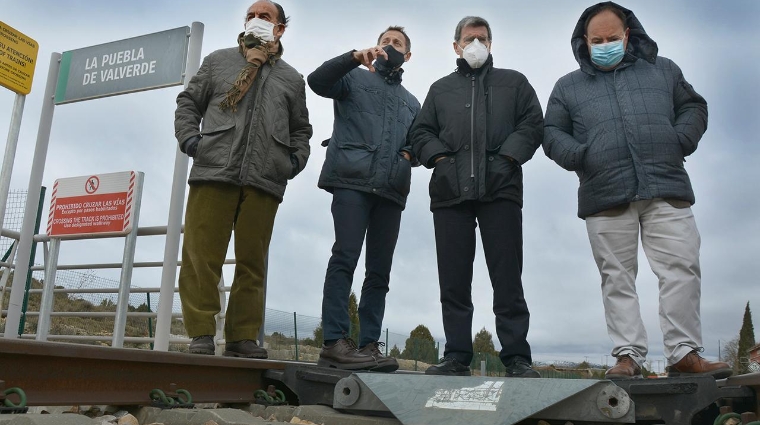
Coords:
pixel 714 43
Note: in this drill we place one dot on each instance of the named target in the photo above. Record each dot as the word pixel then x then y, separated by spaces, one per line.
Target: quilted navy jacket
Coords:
pixel 373 113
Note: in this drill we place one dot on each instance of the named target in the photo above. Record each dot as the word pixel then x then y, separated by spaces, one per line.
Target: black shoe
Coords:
pixel 449 366
pixel 203 344
pixel 384 364
pixel 345 355
pixel 518 367
pixel 247 348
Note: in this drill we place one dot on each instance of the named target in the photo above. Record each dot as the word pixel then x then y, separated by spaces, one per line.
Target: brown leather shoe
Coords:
pixel 384 364
pixel 625 368
pixel 694 365
pixel 344 354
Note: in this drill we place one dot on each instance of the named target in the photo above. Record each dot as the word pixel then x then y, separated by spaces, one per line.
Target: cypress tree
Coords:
pixel 746 340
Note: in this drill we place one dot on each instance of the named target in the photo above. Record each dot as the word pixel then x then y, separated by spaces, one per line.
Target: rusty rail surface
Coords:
pixel 69 374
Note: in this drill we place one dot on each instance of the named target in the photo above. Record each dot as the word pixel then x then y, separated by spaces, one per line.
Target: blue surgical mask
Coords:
pixel 607 55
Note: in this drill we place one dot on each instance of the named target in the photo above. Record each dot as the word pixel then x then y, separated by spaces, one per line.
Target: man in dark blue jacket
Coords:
pixel 368 171
pixel 477 127
pixel 625 122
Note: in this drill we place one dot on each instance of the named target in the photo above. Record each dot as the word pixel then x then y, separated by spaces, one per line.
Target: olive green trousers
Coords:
pixel 214 210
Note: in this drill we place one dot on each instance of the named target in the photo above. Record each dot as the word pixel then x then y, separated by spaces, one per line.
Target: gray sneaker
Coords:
pixel 384 364
pixel 247 348
pixel 203 344
pixel 345 355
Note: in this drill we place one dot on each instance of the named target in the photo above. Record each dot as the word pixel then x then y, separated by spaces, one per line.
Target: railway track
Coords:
pixel 61 374
pixel 55 374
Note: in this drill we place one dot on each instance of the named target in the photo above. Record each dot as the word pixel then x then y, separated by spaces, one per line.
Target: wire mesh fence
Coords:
pixel 14 216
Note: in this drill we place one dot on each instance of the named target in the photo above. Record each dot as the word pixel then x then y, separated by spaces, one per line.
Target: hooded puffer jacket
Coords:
pixel 625 132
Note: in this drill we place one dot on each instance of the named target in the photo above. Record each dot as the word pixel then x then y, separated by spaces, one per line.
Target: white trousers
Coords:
pixel 671 243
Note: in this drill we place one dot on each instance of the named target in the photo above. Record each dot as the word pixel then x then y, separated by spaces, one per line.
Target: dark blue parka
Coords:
pixel 373 113
pixel 625 132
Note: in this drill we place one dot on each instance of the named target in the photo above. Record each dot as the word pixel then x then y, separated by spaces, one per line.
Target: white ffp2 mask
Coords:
pixel 475 54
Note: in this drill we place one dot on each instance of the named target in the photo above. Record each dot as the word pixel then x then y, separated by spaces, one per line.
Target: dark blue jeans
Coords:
pixel 356 214
pixel 501 231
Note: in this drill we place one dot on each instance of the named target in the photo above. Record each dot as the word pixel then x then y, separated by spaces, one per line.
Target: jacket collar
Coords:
pixel 464 68
pixel 391 76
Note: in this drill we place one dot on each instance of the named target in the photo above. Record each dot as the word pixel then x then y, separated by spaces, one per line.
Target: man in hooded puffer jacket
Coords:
pixel 624 122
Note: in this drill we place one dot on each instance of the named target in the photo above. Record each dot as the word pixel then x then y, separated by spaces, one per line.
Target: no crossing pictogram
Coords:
pixel 92 184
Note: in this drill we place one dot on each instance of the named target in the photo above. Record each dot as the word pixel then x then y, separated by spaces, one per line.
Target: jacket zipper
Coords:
pixel 472 131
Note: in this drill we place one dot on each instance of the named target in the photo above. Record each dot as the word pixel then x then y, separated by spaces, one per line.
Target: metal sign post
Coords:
pixel 176 206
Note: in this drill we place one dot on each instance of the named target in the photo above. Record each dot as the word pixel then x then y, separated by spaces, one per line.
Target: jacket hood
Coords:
pixel 640 45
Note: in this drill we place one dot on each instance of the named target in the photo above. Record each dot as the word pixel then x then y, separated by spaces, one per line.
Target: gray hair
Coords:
pixel 471 21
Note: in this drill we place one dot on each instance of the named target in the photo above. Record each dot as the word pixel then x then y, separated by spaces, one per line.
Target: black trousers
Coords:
pixel 356 214
pixel 501 232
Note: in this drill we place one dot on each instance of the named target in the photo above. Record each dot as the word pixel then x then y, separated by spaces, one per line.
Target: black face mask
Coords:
pixel 395 58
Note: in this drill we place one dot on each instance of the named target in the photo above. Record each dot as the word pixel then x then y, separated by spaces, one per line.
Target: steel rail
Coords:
pixel 53 374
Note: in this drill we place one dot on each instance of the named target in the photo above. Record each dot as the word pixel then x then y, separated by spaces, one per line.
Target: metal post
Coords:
pixel 46 305
pixel 483 367
pixel 127 262
pixel 386 342
pixel 176 204
pixel 295 333
pixel 11 254
pixel 150 320
pixel 30 212
pixel 221 317
pixel 33 254
pixel 10 153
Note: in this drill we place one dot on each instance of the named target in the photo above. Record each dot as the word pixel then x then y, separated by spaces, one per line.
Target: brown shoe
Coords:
pixel 625 368
pixel 694 365
pixel 246 348
pixel 384 364
pixel 345 355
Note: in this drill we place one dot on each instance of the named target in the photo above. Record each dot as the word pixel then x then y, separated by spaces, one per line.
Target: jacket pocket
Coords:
pixel 400 177
pixel 444 183
pixel 355 161
pixel 215 146
pixel 502 174
pixel 279 166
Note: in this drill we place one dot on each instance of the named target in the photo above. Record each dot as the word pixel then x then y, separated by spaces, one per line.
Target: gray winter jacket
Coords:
pixel 264 142
pixel 373 113
pixel 625 132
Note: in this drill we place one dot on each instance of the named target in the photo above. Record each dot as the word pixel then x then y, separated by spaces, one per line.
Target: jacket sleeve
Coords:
pixel 423 135
pixel 529 126
pixel 329 80
pixel 192 103
pixel 559 143
pixel 300 129
pixel 691 113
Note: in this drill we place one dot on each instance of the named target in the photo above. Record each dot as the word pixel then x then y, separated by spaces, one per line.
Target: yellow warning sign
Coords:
pixel 18 56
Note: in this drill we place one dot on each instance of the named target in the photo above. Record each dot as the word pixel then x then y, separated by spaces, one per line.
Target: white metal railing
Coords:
pixel 46 308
